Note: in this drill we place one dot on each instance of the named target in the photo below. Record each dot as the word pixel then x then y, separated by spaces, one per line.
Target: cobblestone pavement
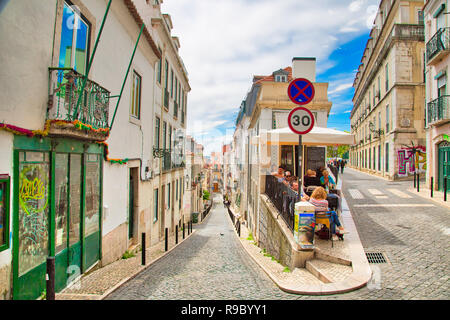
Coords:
pixel 211 265
pixel 414 237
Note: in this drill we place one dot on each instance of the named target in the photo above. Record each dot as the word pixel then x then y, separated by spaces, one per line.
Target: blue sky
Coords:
pixel 225 43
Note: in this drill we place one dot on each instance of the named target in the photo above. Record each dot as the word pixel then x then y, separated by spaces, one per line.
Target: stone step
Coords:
pixel 328 272
pixel 318 254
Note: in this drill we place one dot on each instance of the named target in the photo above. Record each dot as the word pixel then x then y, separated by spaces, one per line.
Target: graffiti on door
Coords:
pixel 408 161
pixel 33 215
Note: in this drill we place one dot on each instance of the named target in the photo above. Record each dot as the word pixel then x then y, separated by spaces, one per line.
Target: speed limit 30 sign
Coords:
pixel 301 120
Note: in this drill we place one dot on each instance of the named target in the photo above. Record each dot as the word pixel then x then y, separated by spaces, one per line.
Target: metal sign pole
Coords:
pixel 299 159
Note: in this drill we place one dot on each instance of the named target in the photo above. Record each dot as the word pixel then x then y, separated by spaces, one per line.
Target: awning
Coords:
pixel 317 136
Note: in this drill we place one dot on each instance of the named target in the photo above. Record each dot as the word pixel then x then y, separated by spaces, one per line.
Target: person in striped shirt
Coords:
pixel 319 200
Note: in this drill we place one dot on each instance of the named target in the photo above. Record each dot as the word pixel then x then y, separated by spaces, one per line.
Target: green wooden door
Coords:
pixel 75 203
pixel 61 219
pixel 67 218
pixel 91 246
pixel 31 223
pixel 444 165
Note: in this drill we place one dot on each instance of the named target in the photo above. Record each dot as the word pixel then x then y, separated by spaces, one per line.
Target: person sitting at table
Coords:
pixel 311 179
pixel 287 178
pixel 294 186
pixel 279 174
pixel 319 200
pixel 327 181
pixel 319 171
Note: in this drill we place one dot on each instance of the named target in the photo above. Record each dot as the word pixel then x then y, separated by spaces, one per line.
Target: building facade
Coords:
pixel 388 105
pixel 79 147
pixel 267 107
pixel 437 108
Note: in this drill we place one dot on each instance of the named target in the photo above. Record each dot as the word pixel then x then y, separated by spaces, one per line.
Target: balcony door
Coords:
pixel 75 31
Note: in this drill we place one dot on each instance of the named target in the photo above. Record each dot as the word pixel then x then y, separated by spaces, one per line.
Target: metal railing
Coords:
pixel 438 109
pixel 283 198
pixel 65 86
pixel 171 161
pixel 439 42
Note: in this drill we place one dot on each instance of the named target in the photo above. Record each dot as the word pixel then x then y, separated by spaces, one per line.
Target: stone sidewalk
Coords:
pixel 98 284
pixel 438 196
pixel 334 270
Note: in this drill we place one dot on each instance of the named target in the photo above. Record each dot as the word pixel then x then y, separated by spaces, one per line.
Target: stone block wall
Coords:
pixel 5 283
pixel 271 236
pixel 114 244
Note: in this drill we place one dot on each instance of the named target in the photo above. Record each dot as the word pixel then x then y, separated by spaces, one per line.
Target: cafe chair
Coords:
pixel 324 217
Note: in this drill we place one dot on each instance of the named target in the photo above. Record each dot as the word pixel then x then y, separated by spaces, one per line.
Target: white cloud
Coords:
pixel 341 87
pixel 225 43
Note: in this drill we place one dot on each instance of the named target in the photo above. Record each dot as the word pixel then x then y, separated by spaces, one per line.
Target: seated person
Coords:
pixel 287 178
pixel 318 199
pixel 327 181
pixel 279 174
pixel 319 172
pixel 294 186
pixel 311 179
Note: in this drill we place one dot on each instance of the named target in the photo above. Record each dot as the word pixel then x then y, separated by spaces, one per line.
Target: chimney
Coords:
pixel 304 68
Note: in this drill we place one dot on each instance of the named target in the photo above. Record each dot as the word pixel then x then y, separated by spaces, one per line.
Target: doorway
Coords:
pixel 133 206
pixel 444 165
pixel 57 212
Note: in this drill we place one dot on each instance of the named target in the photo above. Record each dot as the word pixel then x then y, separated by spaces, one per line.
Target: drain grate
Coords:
pixel 376 257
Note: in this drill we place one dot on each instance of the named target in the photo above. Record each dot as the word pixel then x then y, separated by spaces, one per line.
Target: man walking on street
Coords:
pixel 342 165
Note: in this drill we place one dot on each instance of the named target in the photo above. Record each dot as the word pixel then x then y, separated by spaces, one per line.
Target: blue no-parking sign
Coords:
pixel 301 91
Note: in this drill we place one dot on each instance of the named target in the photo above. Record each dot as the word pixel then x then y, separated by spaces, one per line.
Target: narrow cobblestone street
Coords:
pixel 210 265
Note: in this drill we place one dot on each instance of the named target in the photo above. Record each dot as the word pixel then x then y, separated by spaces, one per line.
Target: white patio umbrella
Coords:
pixel 317 136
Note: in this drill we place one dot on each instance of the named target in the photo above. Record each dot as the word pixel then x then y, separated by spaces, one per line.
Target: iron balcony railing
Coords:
pixel 65 90
pixel 283 198
pixel 438 109
pixel 438 43
pixel 173 161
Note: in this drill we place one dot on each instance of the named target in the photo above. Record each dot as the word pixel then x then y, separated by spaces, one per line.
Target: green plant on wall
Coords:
pixel 206 195
pixel 128 255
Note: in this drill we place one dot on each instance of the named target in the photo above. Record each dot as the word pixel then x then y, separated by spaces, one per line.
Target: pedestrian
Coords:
pixel 342 166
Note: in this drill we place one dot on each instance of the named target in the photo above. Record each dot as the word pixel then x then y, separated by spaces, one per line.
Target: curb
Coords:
pixel 122 282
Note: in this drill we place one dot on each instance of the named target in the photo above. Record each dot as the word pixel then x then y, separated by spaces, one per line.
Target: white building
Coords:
pixel 81 187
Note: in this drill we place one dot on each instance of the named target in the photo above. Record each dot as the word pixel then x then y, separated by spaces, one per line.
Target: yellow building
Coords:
pixel 267 107
pixel 388 105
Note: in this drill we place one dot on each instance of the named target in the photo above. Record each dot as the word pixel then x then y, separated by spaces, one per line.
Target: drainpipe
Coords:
pixel 163 83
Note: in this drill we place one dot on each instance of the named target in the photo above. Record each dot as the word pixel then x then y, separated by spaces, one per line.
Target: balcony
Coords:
pixel 438 110
pixel 438 46
pixel 68 102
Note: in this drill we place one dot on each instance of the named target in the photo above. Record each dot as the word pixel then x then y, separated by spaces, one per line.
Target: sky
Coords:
pixel 224 43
